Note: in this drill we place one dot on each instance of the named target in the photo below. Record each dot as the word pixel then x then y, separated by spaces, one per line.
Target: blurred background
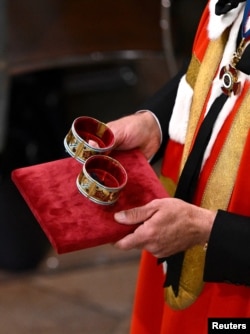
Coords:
pixel 61 59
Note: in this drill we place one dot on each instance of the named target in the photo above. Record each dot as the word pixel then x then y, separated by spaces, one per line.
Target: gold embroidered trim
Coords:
pixel 168 184
pixel 192 71
pixel 230 156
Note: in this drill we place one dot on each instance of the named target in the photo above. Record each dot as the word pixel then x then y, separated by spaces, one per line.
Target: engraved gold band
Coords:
pixel 101 180
pixel 88 137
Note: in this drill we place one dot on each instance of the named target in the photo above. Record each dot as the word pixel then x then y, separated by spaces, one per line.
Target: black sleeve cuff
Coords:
pixel 228 252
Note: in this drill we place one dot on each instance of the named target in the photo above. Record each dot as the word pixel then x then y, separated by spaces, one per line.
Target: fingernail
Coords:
pixel 120 216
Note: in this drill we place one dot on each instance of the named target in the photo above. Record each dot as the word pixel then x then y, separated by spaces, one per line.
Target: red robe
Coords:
pixel 151 314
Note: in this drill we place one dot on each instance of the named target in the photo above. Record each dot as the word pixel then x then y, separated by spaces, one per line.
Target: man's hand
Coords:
pixel 139 130
pixel 168 226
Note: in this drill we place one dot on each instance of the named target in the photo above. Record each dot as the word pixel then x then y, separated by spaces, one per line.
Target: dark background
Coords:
pixel 43 103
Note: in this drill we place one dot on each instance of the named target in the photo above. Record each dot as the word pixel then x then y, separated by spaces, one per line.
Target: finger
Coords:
pixel 135 215
pixel 93 144
pixel 130 241
pixel 127 243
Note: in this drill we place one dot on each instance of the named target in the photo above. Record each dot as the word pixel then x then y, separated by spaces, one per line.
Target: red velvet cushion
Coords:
pixel 71 221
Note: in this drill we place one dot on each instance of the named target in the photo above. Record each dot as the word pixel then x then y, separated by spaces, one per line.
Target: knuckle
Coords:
pixel 134 214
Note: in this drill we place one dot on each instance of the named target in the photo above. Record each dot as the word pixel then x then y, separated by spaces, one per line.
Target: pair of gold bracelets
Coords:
pixel 102 177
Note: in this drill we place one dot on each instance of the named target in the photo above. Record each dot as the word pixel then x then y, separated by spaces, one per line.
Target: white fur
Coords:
pixel 179 120
pixel 247 27
pixel 218 23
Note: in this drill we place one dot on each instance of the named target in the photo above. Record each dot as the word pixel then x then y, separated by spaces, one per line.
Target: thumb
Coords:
pixel 133 216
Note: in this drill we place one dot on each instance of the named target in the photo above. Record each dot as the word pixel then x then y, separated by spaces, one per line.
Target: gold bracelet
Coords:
pixel 101 180
pixel 88 137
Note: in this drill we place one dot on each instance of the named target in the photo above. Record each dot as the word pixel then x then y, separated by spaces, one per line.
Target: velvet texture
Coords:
pixel 72 222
